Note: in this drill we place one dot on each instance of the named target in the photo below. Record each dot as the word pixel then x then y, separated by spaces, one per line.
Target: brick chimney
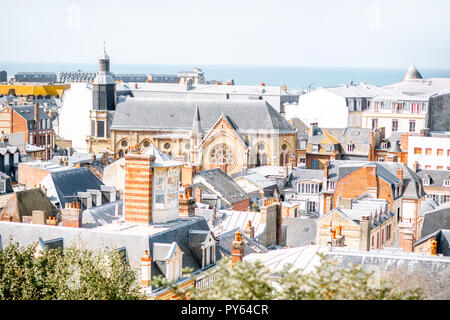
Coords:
pixel 416 166
pixel 186 203
pixel 51 221
pixel 400 174
pixel 312 128
pixel 406 237
pixel 71 215
pixel 138 190
pixel 146 269
pixel 249 230
pixel 364 236
pixel 326 170
pixel 36 115
pixel 198 194
pixel 237 249
pixel 404 141
pixel 38 217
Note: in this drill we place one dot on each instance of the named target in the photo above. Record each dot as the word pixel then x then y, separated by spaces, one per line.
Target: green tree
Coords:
pixel 253 281
pixel 75 274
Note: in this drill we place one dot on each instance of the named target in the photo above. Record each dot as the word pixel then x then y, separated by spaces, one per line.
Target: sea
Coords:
pixel 295 77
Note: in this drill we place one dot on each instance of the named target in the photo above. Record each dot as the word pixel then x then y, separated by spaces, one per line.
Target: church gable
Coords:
pixel 224 126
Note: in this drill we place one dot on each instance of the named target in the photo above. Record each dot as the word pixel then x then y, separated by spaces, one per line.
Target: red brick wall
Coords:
pixel 138 188
pixel 243 205
pixel 30 176
pixel 359 182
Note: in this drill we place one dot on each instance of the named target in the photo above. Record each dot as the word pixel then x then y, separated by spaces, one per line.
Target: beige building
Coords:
pixel 231 135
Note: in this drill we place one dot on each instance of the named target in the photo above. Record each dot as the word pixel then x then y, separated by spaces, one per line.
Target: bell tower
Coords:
pixel 104 87
pixel 103 107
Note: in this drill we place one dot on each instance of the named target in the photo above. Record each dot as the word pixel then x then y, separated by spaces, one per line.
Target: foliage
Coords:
pixel 251 280
pixel 77 274
pixel 255 207
pixel 162 282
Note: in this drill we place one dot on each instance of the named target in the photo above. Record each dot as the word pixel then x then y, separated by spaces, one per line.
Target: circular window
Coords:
pixel 221 154
pixel 187 146
pixel 124 143
pixel 146 143
pixel 284 147
pixel 167 146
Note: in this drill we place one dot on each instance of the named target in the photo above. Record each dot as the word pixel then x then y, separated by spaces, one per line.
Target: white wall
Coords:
pixel 74 115
pixel 322 106
pixel 429 160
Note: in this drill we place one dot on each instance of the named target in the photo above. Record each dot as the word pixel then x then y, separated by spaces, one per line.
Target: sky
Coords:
pixel 329 33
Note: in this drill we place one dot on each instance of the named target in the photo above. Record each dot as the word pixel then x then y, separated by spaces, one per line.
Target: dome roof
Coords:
pixel 411 74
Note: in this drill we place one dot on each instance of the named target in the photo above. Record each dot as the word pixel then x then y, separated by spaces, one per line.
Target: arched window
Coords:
pixel 146 144
pixel 261 157
pixel 124 143
pixel 121 153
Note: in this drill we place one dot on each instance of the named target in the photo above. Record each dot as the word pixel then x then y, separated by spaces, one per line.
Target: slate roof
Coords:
pixel 299 174
pixel 161 159
pixel 412 74
pixel 102 215
pixel 438 218
pixel 223 185
pixel 57 243
pixel 434 270
pixel 230 220
pixel 261 182
pixel 227 238
pixel 133 237
pixel 24 202
pixel 299 231
pixel 27 112
pixel 437 177
pixel 164 114
pixel 442 236
pixel 63 184
pixel 413 187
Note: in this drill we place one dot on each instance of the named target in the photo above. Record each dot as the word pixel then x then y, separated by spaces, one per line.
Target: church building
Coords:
pixel 229 134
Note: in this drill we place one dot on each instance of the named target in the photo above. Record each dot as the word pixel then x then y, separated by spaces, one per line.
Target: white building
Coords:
pixel 74 115
pixel 361 106
pixel 430 152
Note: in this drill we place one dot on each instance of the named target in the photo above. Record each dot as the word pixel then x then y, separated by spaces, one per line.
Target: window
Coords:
pixel 331 185
pixel 100 129
pixel 440 152
pixel 412 126
pixel 381 159
pixel 284 147
pixel 374 123
pixel 329 148
pixel 2 186
pixel 221 154
pixel 350 147
pixel 302 160
pixel 159 190
pixel 428 151
pixel 394 125
pixel 311 206
pixel 315 148
pixel 315 164
pixel 417 150
pixel 426 181
pixel 146 143
pixel 384 145
pixel 167 146
pixel 303 144
pixel 93 128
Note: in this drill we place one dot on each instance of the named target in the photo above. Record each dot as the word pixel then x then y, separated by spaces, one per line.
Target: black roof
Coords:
pixel 224 185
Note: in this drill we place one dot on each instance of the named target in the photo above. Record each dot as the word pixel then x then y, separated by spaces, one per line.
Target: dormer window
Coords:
pixel 447 183
pixel 315 148
pixel 426 181
pixel 350 147
pixel 384 145
pixel 169 258
pixel 2 186
pixel 203 245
